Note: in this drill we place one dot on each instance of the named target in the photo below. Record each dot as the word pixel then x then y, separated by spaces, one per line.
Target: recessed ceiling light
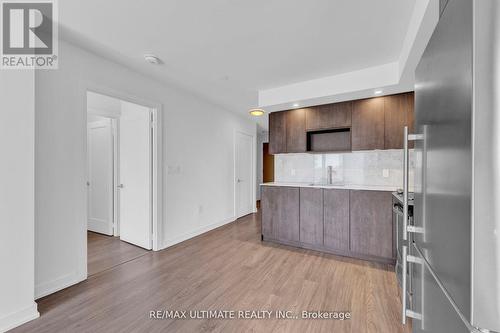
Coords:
pixel 256 112
pixel 295 105
pixel 378 92
pixel 152 59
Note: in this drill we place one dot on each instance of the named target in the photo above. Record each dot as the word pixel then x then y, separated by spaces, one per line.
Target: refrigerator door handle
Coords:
pixel 406 170
pixel 408 312
pixel 403 284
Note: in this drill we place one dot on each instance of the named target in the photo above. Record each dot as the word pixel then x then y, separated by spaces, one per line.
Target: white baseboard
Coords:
pixel 49 287
pixel 19 317
pixel 181 238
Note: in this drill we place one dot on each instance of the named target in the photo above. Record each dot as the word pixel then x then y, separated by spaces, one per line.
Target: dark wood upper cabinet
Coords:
pixel 329 116
pixel 296 138
pixel 398 113
pixel 368 124
pixel 277 132
pixel 371 223
pixel 311 216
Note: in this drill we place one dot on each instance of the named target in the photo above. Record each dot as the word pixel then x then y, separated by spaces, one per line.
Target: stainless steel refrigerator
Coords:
pixel 453 250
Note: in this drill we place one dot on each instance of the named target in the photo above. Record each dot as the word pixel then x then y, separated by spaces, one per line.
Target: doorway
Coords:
pixel 244 182
pixel 120 180
pixel 267 164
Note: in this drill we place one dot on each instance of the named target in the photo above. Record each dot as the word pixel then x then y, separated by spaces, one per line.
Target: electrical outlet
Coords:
pixel 385 173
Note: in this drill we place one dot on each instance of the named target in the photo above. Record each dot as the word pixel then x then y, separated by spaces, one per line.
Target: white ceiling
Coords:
pixel 228 50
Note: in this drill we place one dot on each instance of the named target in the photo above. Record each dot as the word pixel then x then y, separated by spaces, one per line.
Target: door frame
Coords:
pixel 253 155
pixel 157 185
pixel 116 223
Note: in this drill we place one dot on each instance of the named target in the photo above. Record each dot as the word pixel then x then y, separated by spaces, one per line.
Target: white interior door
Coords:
pixel 100 177
pixel 244 179
pixel 135 175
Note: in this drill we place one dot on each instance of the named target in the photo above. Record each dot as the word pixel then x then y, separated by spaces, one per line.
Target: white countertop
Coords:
pixel 345 186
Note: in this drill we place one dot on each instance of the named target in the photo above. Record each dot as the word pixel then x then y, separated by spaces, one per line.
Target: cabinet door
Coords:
pixel 296 137
pixel 371 223
pixel 311 216
pixel 269 203
pixel 280 213
pixel 277 132
pixel 288 214
pixel 368 124
pixel 398 110
pixel 329 116
pixel 336 219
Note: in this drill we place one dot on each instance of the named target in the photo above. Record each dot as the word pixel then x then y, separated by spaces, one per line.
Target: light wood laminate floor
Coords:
pixel 227 269
pixel 105 252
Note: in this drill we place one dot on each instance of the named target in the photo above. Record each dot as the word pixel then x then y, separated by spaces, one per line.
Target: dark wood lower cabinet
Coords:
pixel 311 216
pixel 351 223
pixel 371 223
pixel 336 219
pixel 280 213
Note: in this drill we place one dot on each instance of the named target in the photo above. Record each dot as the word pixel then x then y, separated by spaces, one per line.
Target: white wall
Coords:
pixel 198 157
pixel 102 105
pixel 17 130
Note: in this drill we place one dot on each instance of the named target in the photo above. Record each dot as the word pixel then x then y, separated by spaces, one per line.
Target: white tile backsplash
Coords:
pixel 355 168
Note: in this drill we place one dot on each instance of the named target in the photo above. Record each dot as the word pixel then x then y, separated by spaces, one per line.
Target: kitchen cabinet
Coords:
pixel 329 116
pixel 368 124
pixel 280 213
pixel 277 132
pixel 296 138
pixel 398 113
pixel 311 216
pixel 353 223
pixel 336 219
pixel 269 204
pixel 371 223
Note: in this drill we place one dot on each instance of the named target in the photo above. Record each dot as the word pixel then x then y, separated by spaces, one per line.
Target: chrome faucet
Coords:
pixel 329 178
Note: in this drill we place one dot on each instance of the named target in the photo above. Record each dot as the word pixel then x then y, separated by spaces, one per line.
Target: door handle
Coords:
pixel 406 170
pixel 120 186
pixel 408 312
pixel 239 180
